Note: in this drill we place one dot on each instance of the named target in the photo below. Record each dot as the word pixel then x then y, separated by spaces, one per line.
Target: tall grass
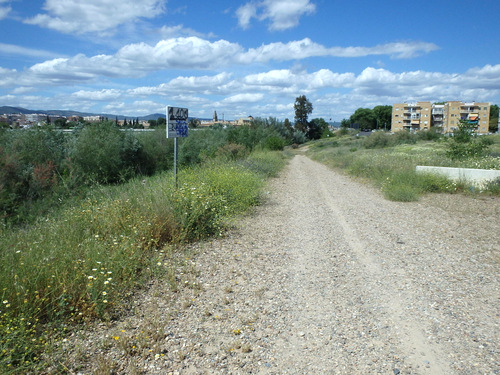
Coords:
pixel 390 163
pixel 83 261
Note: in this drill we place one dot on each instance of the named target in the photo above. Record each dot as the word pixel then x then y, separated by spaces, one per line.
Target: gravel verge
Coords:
pixel 326 277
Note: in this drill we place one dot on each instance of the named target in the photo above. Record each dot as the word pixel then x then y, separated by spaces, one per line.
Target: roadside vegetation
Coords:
pixel 42 167
pixel 389 160
pixel 89 217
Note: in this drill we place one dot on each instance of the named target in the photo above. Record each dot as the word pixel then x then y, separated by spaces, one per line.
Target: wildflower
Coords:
pixel 104 293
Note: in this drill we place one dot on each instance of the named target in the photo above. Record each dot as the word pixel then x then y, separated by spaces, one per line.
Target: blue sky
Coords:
pixel 243 58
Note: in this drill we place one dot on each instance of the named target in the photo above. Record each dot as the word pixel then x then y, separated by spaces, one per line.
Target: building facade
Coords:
pixel 444 117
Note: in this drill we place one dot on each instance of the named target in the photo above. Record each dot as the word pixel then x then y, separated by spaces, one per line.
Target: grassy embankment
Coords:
pixel 389 161
pixel 83 261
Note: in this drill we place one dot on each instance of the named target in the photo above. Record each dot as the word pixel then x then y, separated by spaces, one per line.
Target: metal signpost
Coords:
pixel 177 126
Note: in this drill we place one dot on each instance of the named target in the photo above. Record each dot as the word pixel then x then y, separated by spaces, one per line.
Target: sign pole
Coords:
pixel 175 161
pixel 177 126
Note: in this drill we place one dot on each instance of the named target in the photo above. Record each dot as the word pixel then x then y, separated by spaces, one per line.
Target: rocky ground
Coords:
pixel 326 277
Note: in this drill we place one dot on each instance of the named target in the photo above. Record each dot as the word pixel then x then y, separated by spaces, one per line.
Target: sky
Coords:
pixel 246 58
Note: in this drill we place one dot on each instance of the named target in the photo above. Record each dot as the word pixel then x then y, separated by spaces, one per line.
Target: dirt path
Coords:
pixel 326 277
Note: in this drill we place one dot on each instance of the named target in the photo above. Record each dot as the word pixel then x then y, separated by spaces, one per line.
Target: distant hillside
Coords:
pixel 16 110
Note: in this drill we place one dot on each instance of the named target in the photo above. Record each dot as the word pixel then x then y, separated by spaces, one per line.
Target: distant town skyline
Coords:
pixel 243 58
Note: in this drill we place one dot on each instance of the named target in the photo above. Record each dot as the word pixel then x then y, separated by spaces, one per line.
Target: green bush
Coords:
pixel 32 162
pixel 432 134
pixel 102 153
pixel 156 152
pixel 201 145
pixel 404 137
pixel 377 140
pixel 465 144
pixel 232 151
pixel 274 143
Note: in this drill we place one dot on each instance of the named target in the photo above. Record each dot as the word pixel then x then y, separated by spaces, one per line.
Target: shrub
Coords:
pixel 232 151
pixel 156 152
pixel 299 137
pixel 432 134
pixel 404 137
pixel 464 143
pixel 102 153
pixel 274 143
pixel 31 163
pixel 201 145
pixel 377 140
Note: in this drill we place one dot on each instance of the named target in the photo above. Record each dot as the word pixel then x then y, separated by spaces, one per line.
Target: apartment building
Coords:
pixel 445 117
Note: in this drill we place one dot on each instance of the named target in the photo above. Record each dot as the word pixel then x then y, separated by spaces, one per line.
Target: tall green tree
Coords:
pixel 383 116
pixel 494 118
pixel 364 118
pixel 318 128
pixel 345 123
pixel 303 108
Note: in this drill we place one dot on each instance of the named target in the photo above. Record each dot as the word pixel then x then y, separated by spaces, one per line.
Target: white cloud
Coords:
pixel 94 16
pixel 245 13
pixel 271 92
pixel 285 14
pixel 167 32
pixel 4 12
pixel 286 80
pixel 23 90
pixel 302 49
pixel 244 98
pixel 100 95
pixel 282 14
pixel 474 84
pixel 140 59
pixel 12 49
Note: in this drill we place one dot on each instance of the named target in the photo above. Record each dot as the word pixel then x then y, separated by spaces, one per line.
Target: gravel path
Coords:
pixel 326 277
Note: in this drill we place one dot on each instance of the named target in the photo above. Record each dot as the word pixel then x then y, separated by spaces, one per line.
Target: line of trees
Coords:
pixel 369 119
